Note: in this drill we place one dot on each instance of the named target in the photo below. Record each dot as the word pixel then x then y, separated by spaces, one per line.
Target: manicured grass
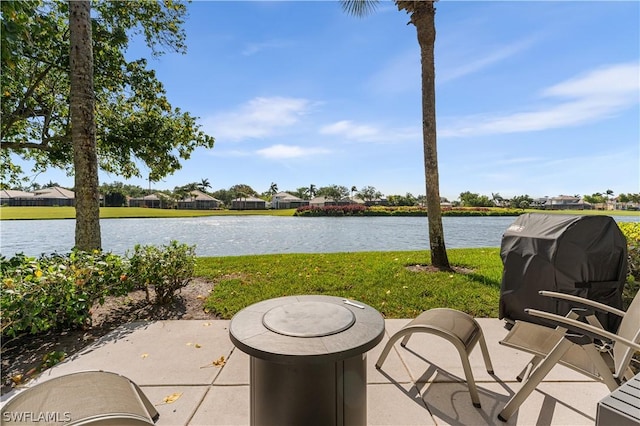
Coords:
pixel 7 213
pixel 380 279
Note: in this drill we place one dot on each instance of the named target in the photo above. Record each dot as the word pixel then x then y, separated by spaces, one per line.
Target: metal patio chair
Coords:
pixel 579 342
pixel 457 327
pixel 85 398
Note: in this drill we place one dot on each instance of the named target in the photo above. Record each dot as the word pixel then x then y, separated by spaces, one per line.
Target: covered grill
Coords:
pixel 584 256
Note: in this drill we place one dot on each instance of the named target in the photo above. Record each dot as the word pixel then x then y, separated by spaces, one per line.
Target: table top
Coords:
pixel 306 329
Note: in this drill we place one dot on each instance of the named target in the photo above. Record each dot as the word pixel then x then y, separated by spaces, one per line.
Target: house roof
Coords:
pixel 13 193
pixel 55 192
pixel 247 199
pixel 285 196
pixel 197 195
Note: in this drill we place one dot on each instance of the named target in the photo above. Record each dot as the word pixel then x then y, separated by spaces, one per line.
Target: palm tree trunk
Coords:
pixel 423 17
pixel 83 131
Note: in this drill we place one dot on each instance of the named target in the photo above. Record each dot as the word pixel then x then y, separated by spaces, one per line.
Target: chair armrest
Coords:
pixel 582 327
pixel 581 300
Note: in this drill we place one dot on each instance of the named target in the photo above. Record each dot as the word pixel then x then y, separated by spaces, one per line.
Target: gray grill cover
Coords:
pixel 584 256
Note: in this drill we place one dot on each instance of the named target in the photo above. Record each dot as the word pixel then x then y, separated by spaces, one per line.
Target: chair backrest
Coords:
pixel 630 330
pixel 88 397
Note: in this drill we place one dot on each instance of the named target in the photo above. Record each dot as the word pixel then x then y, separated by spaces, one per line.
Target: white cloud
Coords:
pixel 597 95
pixel 350 130
pixel 276 152
pixel 367 133
pixel 260 117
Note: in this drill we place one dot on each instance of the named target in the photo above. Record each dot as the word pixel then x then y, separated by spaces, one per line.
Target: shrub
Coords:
pixel 346 210
pixel 166 269
pixel 56 291
pixel 631 231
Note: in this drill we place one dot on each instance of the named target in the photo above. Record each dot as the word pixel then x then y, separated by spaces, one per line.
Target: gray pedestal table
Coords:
pixel 308 359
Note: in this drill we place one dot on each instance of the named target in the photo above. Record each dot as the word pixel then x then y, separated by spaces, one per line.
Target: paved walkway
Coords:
pixel 418 385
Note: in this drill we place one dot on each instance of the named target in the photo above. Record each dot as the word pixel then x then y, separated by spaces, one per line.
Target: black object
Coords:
pixel 585 256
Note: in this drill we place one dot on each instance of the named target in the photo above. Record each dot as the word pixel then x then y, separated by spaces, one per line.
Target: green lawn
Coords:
pixel 380 279
pixel 8 213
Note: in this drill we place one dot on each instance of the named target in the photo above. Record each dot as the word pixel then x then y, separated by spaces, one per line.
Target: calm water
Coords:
pixel 241 235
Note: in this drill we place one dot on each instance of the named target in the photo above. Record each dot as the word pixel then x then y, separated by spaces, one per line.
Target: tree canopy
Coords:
pixel 136 124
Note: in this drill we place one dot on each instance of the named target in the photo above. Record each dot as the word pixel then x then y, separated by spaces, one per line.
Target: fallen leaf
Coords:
pixel 200 297
pixel 206 324
pixel 17 379
pixel 172 398
pixel 219 362
pixel 189 344
pixel 198 346
pixel 144 356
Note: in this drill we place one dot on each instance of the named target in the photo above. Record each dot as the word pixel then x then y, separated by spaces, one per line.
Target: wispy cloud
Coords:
pixel 350 130
pixel 277 152
pixel 260 117
pixel 489 58
pixel 367 133
pixel 594 96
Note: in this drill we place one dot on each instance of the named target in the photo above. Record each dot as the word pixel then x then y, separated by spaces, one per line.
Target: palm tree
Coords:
pixel 422 16
pixel 83 127
pixel 312 191
pixel 353 189
pixel 273 189
pixel 204 184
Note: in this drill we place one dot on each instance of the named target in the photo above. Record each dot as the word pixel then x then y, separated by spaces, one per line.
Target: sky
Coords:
pixel 539 98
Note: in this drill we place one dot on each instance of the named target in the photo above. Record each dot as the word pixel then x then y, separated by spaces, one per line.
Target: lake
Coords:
pixel 243 235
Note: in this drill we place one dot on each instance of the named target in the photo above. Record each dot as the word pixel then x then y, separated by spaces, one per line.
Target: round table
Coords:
pixel 308 358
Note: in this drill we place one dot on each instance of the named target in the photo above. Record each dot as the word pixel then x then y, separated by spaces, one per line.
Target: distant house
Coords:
pixel 325 201
pixel 567 202
pixel 11 197
pixel 284 200
pixel 248 203
pixel 321 202
pixel 55 196
pixel 152 201
pixel 198 200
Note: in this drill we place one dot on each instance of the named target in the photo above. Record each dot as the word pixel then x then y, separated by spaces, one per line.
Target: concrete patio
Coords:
pixel 418 385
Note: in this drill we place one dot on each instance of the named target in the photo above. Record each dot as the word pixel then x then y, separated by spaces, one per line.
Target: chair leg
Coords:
pixel 485 352
pixel 385 352
pixel 601 367
pixel 534 379
pixel 524 374
pixel 471 383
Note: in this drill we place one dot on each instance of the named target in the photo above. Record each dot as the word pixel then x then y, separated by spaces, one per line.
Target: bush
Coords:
pixel 631 231
pixel 166 269
pixel 56 291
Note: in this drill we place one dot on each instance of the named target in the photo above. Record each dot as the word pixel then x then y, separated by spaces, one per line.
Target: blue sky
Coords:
pixel 537 98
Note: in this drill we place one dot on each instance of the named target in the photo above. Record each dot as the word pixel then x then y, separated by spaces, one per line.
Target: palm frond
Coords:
pixel 359 8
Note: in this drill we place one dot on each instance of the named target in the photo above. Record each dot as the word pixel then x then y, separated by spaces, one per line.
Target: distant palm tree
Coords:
pixel 353 189
pixel 312 191
pixel 273 189
pixel 204 184
pixel 422 16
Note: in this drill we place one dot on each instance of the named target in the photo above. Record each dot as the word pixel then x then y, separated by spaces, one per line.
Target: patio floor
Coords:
pixel 422 384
